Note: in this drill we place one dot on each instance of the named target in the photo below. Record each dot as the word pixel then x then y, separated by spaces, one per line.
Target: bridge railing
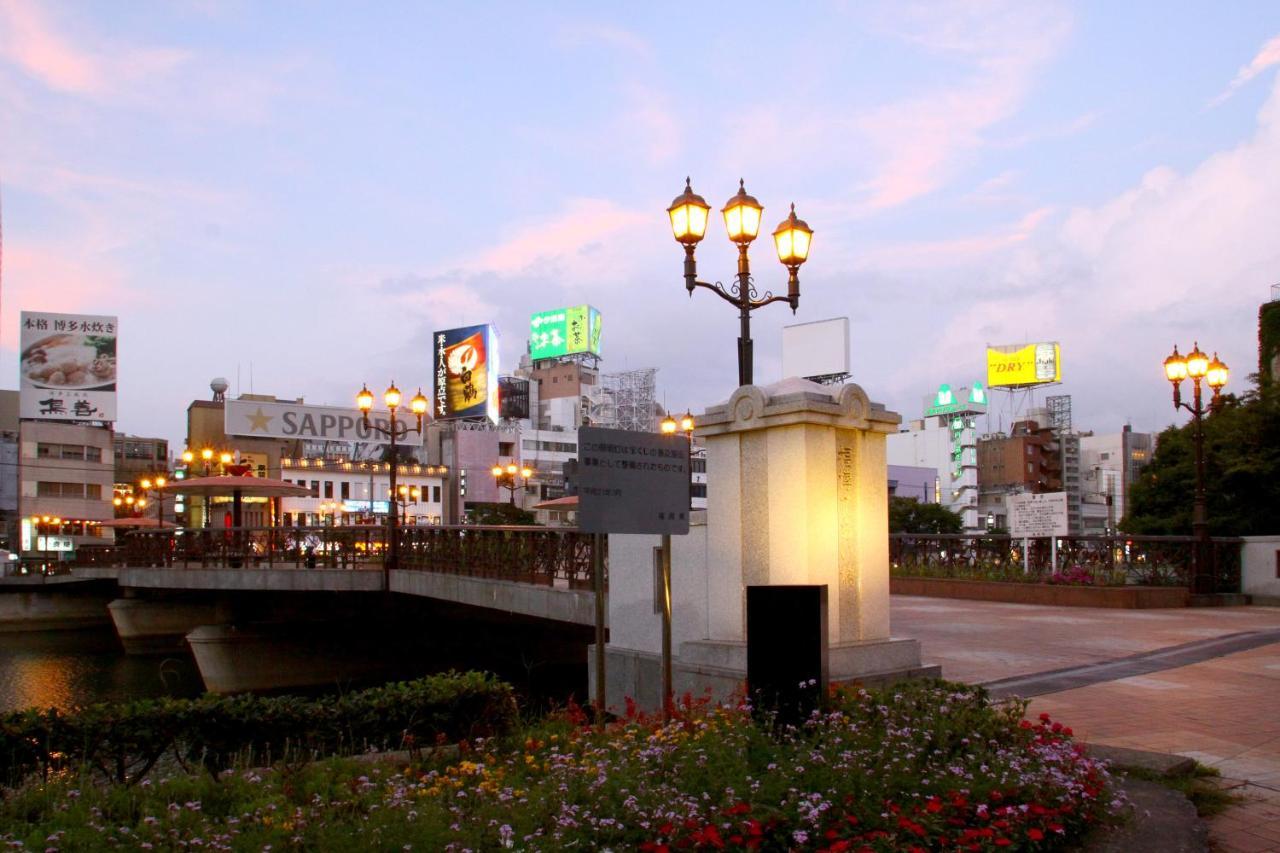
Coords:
pixel 539 555
pixel 1147 560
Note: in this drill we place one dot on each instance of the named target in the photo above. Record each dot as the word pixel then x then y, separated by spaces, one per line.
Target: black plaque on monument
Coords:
pixel 786 651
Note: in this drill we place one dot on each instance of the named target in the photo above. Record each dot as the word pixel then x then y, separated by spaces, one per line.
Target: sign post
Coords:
pixel 633 482
pixel 1036 516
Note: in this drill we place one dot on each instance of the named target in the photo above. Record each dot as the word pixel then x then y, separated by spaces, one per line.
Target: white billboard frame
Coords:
pixel 816 349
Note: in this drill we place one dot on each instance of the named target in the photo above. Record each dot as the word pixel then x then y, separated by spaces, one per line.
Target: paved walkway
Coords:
pixel 1214 698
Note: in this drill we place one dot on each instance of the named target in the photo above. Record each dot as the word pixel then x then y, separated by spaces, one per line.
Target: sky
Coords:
pixel 301 192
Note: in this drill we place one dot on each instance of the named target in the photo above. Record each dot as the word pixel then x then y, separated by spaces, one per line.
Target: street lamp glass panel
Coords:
pixel 188 457
pixel 686 422
pixel 1197 363
pixel 1217 373
pixel 146 484
pixel 512 468
pixel 160 481
pixel 497 471
pixel 206 454
pixel 419 404
pixel 689 216
pixel 1175 367
pixel 117 501
pixel 364 400
pixel 225 458
pixel 526 473
pixel 392 397
pixel 742 216
pixel 792 239
pixel 668 425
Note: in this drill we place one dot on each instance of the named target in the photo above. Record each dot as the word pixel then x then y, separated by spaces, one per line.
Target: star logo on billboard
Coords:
pixel 258 420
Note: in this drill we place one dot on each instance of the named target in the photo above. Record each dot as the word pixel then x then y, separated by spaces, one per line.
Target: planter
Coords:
pixel 1129 597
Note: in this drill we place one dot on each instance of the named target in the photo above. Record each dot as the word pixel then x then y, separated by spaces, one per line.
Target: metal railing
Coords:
pixel 538 555
pixel 1108 560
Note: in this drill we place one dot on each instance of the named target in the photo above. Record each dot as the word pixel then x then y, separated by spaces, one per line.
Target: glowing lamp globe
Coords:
pixel 742 216
pixel 688 213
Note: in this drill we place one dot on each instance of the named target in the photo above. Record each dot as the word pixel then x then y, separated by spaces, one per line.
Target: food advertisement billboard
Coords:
pixel 1023 364
pixel 67 367
pixel 466 372
pixel 564 331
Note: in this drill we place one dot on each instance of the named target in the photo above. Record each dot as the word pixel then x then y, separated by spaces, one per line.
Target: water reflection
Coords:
pixel 62 669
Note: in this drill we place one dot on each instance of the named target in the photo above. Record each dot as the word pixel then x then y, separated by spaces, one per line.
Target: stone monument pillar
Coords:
pixel 798 494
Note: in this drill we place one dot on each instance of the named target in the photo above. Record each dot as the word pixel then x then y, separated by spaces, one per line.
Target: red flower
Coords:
pixel 1035 834
pixel 1044 718
pixel 737 809
pixel 933 806
pixel 1003 842
pixel 1067 731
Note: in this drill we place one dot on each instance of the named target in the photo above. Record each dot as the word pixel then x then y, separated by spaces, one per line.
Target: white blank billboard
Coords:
pixel 820 348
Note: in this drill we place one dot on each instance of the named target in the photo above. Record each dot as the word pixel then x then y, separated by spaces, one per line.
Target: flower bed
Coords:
pixel 923 766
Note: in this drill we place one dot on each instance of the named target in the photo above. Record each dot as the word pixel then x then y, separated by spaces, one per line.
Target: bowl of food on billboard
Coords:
pixel 70 361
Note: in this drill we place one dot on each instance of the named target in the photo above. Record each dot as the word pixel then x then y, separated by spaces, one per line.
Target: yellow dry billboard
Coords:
pixel 1023 364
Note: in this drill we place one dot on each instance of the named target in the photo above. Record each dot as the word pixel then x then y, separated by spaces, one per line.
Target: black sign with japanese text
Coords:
pixel 632 482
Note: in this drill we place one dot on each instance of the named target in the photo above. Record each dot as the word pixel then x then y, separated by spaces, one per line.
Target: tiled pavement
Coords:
pixel 1221 711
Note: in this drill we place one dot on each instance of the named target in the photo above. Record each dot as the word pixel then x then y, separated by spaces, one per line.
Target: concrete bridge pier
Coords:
pixel 158 626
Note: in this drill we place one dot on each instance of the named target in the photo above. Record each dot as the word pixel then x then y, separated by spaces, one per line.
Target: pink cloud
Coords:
pixel 1267 57
pixel 40 48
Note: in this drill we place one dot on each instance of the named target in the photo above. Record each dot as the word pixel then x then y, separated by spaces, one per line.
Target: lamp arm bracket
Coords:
pixel 719 290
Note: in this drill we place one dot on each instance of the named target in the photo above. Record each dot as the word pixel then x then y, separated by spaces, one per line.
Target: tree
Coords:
pixel 908 515
pixel 1242 472
pixel 500 513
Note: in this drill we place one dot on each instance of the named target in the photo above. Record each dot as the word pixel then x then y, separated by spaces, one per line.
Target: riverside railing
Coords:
pixel 538 555
pixel 1110 560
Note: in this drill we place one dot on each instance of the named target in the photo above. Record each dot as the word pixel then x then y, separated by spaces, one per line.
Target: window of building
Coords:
pixel 82 491
pixel 328 488
pixel 698 490
pixel 506 448
pixel 315 488
pixel 345 491
pixel 435 494
pixel 1031 469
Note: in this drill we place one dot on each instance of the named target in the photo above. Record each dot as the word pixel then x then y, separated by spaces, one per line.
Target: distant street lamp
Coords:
pixel 742 213
pixel 395 430
pixel 670 426
pixel 158 482
pixel 1196 366
pixel 505 477
pixel 407 496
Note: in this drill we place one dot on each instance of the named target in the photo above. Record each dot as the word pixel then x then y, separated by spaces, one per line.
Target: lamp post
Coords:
pixel 407 496
pixel 505 477
pixel 158 481
pixel 742 214
pixel 670 426
pixel 1197 367
pixel 394 431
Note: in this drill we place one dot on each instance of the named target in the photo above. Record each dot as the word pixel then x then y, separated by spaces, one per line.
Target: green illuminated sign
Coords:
pixel 945 402
pixel 564 331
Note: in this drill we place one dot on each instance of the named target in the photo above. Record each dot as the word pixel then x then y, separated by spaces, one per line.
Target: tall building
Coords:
pixel 1109 466
pixel 1029 459
pixel 946 440
pixel 65 485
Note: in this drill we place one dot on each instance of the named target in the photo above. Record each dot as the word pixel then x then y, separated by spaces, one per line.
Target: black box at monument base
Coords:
pixel 786 651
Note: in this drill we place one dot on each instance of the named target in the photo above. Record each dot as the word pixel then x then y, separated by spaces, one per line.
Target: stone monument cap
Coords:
pixel 797 401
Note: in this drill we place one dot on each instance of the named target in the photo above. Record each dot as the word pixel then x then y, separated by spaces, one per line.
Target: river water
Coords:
pixel 62 669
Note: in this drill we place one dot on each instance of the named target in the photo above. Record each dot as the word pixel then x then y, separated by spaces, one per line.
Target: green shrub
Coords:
pixel 123 741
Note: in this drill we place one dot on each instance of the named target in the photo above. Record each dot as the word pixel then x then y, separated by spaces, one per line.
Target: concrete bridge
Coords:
pixel 270 608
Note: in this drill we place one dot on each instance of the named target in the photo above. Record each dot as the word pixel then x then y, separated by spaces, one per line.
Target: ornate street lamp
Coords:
pixel 1197 367
pixel 742 215
pixel 670 426
pixel 505 477
pixel 394 431
pixel 407 496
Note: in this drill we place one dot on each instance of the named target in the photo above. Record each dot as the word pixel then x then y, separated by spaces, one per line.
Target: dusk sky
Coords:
pixel 312 188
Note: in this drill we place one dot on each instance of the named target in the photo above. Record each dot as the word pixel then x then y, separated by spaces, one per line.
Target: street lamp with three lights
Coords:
pixel 1198 367
pixel 505 477
pixel 394 431
pixel 742 214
